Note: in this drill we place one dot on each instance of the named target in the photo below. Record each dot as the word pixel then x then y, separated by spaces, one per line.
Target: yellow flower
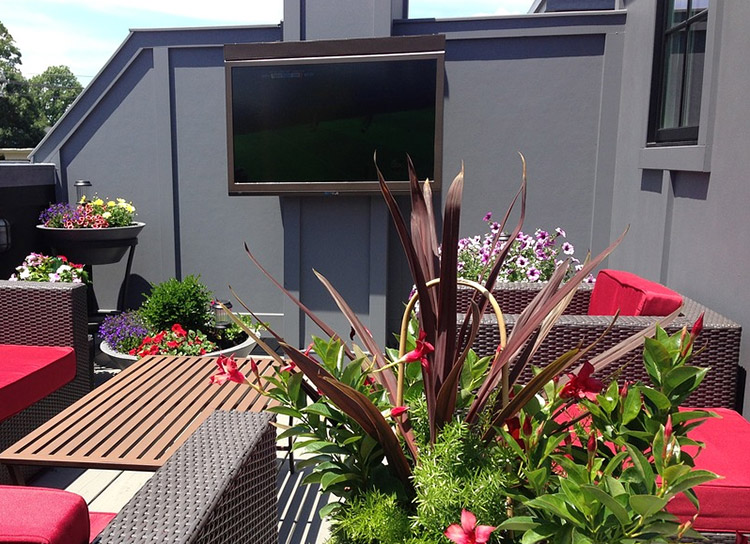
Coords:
pixel 130 208
pixel 121 200
pixel 111 204
pixel 98 202
pixel 106 215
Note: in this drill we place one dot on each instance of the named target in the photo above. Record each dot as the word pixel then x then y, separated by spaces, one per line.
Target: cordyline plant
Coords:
pixel 355 407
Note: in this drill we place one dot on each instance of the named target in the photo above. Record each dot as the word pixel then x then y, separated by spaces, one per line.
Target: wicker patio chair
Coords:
pixel 721 336
pixel 218 487
pixel 44 314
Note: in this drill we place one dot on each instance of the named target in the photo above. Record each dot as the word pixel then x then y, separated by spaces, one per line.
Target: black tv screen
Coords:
pixel 311 124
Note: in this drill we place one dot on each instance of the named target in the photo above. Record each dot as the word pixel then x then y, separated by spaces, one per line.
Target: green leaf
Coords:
pixel 677 376
pixel 285 411
pixel 658 399
pixel 642 467
pixel 608 399
pixel 329 509
pixel 537 478
pixel 323 409
pixel 332 478
pixel 632 406
pixel 646 505
pixel 518 523
pixel 297 430
pixel 673 473
pixel 595 494
pixel 556 504
pixel 543 532
pixel 296 395
pixel 696 477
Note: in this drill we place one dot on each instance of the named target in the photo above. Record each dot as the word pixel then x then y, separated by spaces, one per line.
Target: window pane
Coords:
pixel 672 84
pixel 677 12
pixel 698 5
pixel 694 74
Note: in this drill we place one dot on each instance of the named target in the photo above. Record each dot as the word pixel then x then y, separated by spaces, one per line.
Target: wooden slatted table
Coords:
pixel 137 419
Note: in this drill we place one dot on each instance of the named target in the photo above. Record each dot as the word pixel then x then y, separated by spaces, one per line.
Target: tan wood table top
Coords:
pixel 137 419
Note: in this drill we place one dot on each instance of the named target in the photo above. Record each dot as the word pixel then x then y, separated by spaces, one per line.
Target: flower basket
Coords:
pixel 93 245
pixel 123 360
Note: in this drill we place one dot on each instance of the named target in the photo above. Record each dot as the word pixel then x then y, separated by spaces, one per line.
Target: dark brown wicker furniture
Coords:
pixel 44 314
pixel 218 487
pixel 137 419
pixel 721 336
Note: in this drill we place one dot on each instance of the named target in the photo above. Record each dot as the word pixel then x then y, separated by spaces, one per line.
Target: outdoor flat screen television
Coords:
pixel 309 117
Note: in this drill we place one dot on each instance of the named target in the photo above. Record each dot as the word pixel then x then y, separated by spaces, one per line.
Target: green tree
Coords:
pixel 54 90
pixel 20 124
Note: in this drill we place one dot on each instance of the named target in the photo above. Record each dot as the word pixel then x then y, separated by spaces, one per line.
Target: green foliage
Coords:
pixel 460 472
pixel 28 106
pixel 346 461
pixel 372 518
pixel 54 90
pixel 185 302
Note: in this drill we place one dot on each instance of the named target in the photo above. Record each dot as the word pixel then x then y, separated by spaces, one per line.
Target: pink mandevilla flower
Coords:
pixel 227 371
pixel 582 385
pixel 419 353
pixel 469 532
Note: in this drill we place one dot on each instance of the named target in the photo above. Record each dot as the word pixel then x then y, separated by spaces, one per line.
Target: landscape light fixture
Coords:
pixel 82 188
pixel 4 235
pixel 222 318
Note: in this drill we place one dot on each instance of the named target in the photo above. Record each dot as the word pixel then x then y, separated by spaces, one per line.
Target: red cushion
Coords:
pixel 725 504
pixel 30 373
pixel 631 294
pixel 43 516
pixel 98 521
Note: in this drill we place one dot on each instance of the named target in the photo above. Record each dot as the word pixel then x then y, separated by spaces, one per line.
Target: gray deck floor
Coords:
pixel 109 490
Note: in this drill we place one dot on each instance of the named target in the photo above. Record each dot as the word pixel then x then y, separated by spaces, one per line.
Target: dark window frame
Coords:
pixel 683 134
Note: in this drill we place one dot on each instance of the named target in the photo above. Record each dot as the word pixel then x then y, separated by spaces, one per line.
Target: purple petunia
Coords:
pixel 568 248
pixel 533 274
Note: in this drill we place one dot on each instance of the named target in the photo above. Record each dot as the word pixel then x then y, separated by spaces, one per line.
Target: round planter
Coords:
pixel 92 246
pixel 123 360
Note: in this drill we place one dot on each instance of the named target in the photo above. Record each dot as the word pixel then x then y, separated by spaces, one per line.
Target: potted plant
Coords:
pixel 93 231
pixel 174 319
pixel 529 264
pixel 430 443
pixel 40 267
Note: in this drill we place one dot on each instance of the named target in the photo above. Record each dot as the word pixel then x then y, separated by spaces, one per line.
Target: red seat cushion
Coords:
pixel 98 521
pixel 43 516
pixel 30 373
pixel 631 294
pixel 725 504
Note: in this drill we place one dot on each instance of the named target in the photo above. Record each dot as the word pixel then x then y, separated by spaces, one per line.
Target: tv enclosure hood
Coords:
pixel 309 117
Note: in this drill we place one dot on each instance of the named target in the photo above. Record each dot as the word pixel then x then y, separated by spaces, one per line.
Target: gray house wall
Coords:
pixel 568 90
pixel 688 207
pixel 152 128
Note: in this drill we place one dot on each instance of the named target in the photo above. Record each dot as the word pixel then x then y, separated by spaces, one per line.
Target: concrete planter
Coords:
pixel 123 360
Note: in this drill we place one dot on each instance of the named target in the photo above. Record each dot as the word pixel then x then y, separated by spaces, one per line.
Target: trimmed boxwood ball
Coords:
pixel 186 302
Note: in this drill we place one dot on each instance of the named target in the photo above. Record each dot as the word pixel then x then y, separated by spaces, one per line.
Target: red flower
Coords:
pixel 227 371
pixel 398 410
pixel 158 338
pixel 582 385
pixel 420 352
pixel 469 532
pixel 172 344
pixel 178 330
pixel 290 367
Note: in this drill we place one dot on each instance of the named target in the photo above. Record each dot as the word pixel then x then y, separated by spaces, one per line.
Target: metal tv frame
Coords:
pixel 331 52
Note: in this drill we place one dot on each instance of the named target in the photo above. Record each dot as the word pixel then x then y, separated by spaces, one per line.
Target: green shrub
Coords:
pixel 185 302
pixel 371 518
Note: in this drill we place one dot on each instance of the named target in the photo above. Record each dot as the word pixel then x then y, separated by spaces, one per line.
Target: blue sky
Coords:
pixel 84 34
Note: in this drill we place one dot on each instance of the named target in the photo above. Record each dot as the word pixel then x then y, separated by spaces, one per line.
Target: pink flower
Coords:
pixel 398 410
pixel 227 371
pixel 419 353
pixel 469 532
pixel 582 385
